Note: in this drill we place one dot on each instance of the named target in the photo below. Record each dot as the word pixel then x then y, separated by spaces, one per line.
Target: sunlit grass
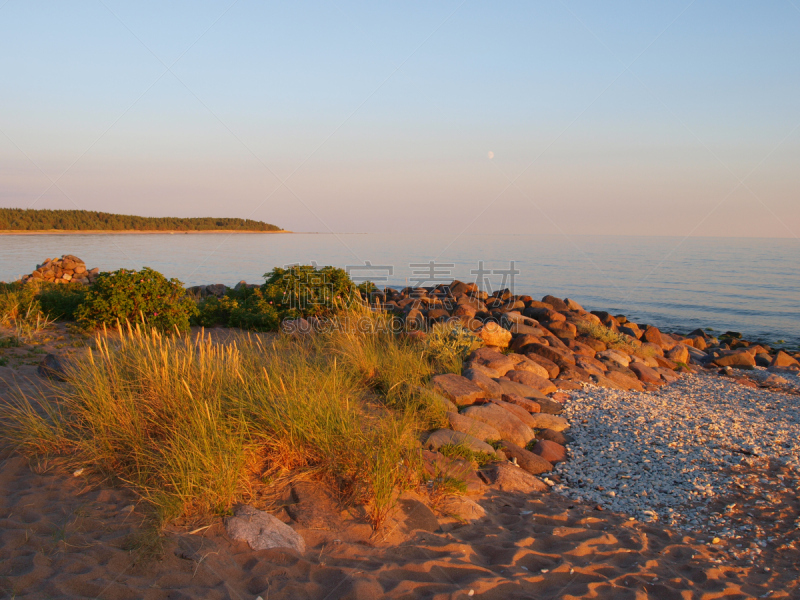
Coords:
pixel 195 427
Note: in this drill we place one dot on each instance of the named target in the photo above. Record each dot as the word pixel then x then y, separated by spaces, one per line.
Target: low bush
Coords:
pixel 61 302
pixel 299 291
pixel 129 295
pixel 612 339
pixel 448 344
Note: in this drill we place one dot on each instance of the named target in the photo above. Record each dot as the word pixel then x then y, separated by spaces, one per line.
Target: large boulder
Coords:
pixel 552 452
pixel 559 356
pixel 537 382
pixel 548 365
pixel 625 382
pixel 548 421
pixel 489 386
pixel 493 334
pixel 52 367
pixel 532 463
pixel 448 437
pixel 513 387
pixel 262 531
pixel 458 389
pixel 491 359
pixel 739 358
pixel 521 413
pixel 679 354
pixel 782 359
pixel 526 403
pixel 461 508
pixel 506 422
pixel 476 429
pixel 526 364
pixel 646 374
pixel 508 478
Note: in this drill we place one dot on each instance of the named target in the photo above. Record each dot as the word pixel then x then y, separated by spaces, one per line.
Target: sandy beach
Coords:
pixel 69 535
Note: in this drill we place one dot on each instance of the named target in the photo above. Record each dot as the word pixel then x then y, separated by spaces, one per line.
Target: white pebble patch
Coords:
pixel 659 455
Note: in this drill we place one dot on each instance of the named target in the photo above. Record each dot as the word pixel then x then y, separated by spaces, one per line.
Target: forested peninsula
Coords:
pixel 33 220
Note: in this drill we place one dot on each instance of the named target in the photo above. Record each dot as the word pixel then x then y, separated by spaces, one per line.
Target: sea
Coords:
pixel 749 285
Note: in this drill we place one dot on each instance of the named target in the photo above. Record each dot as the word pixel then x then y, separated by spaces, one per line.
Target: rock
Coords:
pixel 518 411
pixel 526 364
pixel 739 358
pixel 262 531
pixel 782 359
pixel 665 362
pixel 579 349
pixel 537 382
pixel 679 354
pixel 216 289
pixel 614 356
pixel 566 384
pixel 448 437
pixel 476 429
pixel 624 381
pixel 543 314
pixel 492 359
pixel 572 305
pixel 494 335
pixel 527 460
pixel 548 365
pixel 508 478
pixel 458 389
pixel 52 368
pixel 438 466
pixel 562 329
pixel 548 421
pixel 513 387
pixel 645 374
pixel 489 386
pixel 550 451
pixel 603 381
pixel 559 356
pixel 555 302
pixel 590 365
pixel 507 423
pixel 463 509
pixel 529 405
pixel 550 406
pixel 575 374
pixel 314 507
pixel 417 516
pixel 591 342
pixel 553 436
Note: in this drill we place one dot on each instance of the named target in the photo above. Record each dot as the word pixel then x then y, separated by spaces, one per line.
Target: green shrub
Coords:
pixel 305 291
pixel 128 295
pixel 61 302
pixel 448 344
pixel 246 308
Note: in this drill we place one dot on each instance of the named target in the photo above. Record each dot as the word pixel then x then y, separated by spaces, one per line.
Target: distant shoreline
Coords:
pixel 127 231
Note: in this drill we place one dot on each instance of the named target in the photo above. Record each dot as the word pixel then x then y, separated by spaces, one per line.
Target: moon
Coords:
pixel 490 155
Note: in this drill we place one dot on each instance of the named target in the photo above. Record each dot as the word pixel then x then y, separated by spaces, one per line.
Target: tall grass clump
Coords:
pixel 20 310
pixel 613 339
pixel 448 344
pixel 195 427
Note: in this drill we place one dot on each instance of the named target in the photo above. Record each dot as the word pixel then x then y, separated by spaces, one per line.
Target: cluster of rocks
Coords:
pixel 218 290
pixel 508 399
pixel 67 269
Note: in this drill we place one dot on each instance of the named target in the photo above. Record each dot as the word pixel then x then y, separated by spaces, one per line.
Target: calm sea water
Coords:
pixel 748 285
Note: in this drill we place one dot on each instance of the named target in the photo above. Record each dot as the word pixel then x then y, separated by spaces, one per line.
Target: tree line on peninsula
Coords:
pixel 20 219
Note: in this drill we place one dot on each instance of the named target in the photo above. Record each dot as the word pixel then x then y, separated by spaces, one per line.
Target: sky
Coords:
pixel 454 117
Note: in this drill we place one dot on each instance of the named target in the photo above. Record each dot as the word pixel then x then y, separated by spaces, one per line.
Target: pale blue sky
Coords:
pixel 382 116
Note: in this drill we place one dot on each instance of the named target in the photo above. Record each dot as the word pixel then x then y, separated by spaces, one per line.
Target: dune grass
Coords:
pixel 195 427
